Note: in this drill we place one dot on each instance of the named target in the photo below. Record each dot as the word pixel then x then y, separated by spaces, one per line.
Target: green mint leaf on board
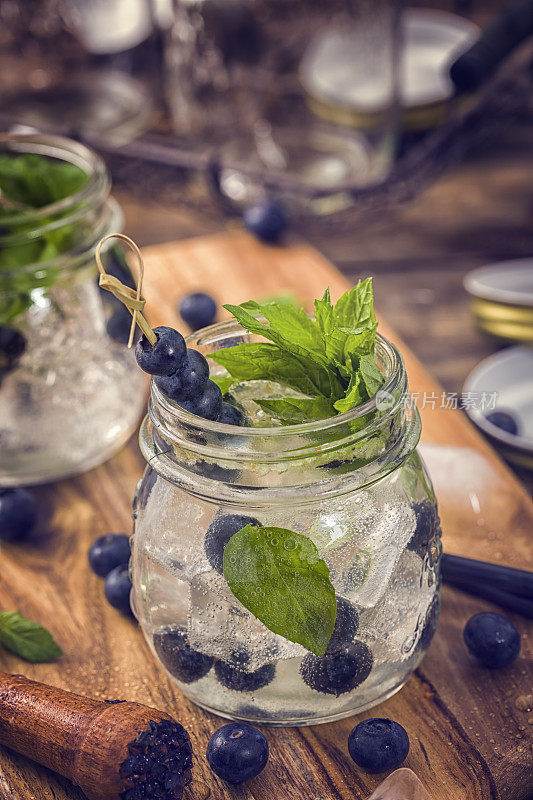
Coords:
pixel 27 639
pixel 280 578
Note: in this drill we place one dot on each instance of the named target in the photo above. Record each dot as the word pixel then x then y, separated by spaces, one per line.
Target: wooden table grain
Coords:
pixel 470 729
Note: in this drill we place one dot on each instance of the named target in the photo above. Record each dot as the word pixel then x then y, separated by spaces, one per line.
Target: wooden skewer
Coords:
pixel 93 743
pixel 402 784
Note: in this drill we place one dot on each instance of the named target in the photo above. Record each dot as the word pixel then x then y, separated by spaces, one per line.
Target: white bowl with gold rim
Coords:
pixel 502 298
pixel 507 378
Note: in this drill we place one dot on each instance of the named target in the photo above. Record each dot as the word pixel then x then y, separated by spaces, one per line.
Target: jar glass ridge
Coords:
pixel 354 484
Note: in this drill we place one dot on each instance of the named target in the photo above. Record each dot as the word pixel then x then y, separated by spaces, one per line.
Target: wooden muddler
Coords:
pixel 111 750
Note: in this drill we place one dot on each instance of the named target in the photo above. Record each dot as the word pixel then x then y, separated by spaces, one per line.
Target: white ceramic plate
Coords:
pixel 338 65
pixel 510 374
pixel 506 282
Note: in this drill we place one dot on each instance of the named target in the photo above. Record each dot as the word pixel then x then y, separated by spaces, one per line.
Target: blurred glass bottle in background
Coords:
pixel 267 84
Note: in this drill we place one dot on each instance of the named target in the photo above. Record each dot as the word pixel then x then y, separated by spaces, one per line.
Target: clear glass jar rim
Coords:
pixel 395 372
pixel 94 191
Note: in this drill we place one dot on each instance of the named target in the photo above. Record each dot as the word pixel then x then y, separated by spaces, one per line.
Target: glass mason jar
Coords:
pixel 69 393
pixel 354 484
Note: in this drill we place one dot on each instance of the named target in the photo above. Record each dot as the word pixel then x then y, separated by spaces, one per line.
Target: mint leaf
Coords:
pixel 279 577
pixel 290 328
pixel 355 309
pixel 354 396
pixel 294 410
pixel 37 181
pixel 27 639
pixel 265 361
pixel 370 374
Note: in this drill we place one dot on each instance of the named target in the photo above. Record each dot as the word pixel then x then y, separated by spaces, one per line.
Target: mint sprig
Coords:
pixel 27 639
pixel 329 359
pixel 279 576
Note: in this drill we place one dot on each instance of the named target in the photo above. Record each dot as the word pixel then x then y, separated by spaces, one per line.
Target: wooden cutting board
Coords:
pixel 470 730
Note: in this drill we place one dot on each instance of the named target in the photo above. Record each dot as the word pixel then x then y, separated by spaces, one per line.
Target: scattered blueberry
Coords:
pixel 117 587
pixel 108 552
pixel 220 532
pixel 504 420
pixel 233 675
pixel 174 650
pixel 207 404
pixel 237 752
pixel 119 325
pixel 338 672
pixel 346 626
pixel 492 639
pixel 378 745
pixel 198 310
pixel 230 415
pixel 266 220
pixel 190 378
pixel 427 528
pixel 18 514
pixel 165 356
pixel 12 346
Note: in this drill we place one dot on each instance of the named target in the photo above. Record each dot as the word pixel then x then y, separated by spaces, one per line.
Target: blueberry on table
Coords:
pixel 198 310
pixel 378 745
pixel 230 415
pixel 266 220
pixel 117 587
pixel 234 675
pixel 165 356
pixel 492 639
pixel 108 552
pixel 338 672
pixel 207 404
pixel 12 346
pixel 188 380
pixel 237 752
pixel 504 420
pixel 346 626
pixel 18 514
pixel 220 532
pixel 174 650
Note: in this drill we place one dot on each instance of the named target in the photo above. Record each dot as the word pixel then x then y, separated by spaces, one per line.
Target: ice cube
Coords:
pixel 392 627
pixel 220 626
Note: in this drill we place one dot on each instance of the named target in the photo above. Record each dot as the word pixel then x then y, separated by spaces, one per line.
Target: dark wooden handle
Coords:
pixel 82 739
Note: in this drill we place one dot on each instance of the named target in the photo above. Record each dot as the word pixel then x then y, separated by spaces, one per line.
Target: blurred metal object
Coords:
pixel 108 26
pixel 502 299
pixel 233 87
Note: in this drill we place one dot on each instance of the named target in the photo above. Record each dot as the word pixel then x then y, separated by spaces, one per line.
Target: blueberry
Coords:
pixel 237 752
pixel 346 626
pixel 234 676
pixel 492 639
pixel 165 356
pixel 188 381
pixel 208 404
pixel 266 220
pixel 198 310
pixel 378 745
pixel 229 415
pixel 117 587
pixel 12 345
pixel 427 528
pixel 18 514
pixel 504 420
pixel 220 532
pixel 119 325
pixel 174 650
pixel 108 552
pixel 338 672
